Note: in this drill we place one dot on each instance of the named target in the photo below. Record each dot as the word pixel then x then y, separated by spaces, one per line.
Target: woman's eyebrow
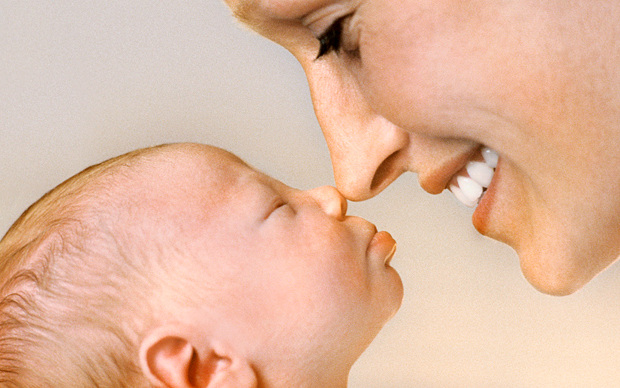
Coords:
pixel 258 15
pixel 245 11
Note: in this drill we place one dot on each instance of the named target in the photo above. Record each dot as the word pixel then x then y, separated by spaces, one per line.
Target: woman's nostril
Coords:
pixel 384 173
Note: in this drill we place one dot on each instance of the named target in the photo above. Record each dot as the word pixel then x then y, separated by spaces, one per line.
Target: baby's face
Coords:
pixel 294 273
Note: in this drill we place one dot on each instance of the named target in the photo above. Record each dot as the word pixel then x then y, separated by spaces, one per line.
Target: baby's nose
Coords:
pixel 330 200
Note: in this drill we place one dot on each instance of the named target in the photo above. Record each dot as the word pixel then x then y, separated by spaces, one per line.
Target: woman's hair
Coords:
pixel 75 297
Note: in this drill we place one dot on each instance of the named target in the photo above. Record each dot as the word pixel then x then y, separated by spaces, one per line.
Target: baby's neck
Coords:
pixel 314 382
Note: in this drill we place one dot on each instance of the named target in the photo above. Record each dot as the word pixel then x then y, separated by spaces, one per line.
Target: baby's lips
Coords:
pixel 382 247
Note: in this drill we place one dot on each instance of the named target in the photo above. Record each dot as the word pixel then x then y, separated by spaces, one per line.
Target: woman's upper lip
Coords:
pixel 436 178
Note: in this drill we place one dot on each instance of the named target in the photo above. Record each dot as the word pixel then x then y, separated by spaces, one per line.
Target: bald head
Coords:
pixel 92 253
pixel 144 176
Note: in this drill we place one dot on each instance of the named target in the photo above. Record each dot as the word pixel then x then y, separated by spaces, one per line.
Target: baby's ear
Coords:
pixel 169 359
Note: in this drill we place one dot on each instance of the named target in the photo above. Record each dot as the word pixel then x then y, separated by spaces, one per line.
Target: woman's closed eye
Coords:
pixel 341 36
pixel 331 39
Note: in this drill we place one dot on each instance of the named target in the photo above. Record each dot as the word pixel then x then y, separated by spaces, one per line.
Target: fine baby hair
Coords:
pixel 182 266
pixel 73 296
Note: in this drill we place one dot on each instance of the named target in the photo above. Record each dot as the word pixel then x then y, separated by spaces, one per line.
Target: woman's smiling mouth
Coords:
pixel 471 182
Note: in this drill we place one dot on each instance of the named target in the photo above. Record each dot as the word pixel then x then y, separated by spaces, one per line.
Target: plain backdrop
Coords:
pixel 83 81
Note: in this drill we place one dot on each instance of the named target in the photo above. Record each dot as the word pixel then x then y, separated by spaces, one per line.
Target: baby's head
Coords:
pixel 181 266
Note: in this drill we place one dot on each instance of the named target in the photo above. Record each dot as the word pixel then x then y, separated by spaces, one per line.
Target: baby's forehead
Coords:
pixel 188 170
pixel 151 182
pixel 190 192
pixel 193 160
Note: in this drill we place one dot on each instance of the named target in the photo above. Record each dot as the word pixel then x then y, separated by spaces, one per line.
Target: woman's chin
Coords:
pixel 558 267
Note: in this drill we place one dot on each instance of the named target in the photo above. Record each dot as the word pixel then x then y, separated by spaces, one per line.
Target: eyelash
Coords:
pixel 331 39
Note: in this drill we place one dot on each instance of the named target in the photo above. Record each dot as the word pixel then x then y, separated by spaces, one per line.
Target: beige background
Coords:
pixel 82 81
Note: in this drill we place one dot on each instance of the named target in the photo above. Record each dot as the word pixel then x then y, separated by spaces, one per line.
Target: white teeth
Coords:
pixel 470 183
pixel 469 187
pixel 480 172
pixel 490 157
pixel 458 193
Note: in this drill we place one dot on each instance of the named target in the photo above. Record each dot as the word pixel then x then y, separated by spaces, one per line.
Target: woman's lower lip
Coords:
pixel 481 216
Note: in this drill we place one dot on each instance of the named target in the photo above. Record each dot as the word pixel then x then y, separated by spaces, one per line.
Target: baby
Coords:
pixel 181 266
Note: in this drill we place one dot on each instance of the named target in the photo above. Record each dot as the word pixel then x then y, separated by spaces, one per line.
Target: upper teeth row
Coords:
pixel 469 185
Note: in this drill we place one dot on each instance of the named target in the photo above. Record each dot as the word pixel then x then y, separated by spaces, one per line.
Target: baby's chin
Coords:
pixel 389 307
pixel 395 294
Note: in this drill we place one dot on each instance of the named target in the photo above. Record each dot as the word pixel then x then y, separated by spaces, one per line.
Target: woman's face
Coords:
pixel 423 85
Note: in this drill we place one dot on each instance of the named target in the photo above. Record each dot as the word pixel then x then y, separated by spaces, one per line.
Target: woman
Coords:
pixel 430 86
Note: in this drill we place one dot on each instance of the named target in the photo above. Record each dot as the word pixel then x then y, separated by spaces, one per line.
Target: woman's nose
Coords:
pixel 330 200
pixel 367 151
pixel 366 159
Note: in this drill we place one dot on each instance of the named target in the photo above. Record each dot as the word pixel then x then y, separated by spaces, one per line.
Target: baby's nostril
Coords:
pixel 384 172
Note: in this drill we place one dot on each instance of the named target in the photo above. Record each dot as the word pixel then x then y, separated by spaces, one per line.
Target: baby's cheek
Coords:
pixel 349 278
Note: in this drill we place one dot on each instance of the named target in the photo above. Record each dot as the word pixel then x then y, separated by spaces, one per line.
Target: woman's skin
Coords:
pixel 422 85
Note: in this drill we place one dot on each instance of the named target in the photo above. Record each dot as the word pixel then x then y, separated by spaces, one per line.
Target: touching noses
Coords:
pixel 367 151
pixel 330 200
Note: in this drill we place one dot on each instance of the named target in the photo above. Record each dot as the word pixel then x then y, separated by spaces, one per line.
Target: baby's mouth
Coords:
pixel 471 182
